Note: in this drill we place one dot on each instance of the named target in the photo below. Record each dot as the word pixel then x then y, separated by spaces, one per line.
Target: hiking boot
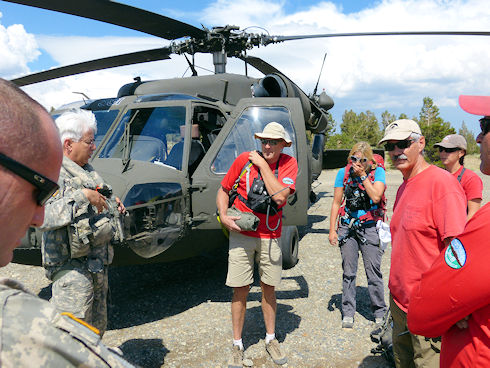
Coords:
pixel 236 359
pixel 347 322
pixel 275 352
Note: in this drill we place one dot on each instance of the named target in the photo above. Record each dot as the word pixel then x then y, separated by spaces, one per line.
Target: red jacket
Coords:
pixel 456 286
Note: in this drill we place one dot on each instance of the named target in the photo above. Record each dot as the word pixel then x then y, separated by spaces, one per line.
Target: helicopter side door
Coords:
pixel 237 136
pixel 143 160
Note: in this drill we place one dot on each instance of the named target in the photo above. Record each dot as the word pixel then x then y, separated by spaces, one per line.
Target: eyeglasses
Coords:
pixel 400 144
pixel 449 150
pixel 485 125
pixel 355 159
pixel 90 142
pixel 270 142
pixel 45 187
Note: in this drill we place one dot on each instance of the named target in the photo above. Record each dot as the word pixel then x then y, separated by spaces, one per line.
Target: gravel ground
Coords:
pixel 178 314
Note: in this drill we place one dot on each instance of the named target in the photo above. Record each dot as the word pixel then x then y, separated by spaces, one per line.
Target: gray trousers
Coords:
pixel 371 256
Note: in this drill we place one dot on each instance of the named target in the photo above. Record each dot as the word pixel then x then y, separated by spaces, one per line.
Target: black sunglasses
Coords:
pixel 271 142
pixel 400 144
pixel 485 125
pixel 45 187
pixel 355 159
pixel 449 150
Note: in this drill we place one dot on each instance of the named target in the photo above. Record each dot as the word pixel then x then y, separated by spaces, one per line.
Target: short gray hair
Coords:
pixel 415 136
pixel 75 123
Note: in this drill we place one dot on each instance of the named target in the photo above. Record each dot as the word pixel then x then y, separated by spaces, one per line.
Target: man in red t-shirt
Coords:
pixel 429 210
pixel 452 150
pixel 268 177
pixel 453 297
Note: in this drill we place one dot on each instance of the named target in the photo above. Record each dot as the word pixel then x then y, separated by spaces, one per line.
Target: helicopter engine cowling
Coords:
pixel 278 85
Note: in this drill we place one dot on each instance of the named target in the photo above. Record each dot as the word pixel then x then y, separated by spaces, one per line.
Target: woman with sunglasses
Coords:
pixel 452 150
pixel 361 184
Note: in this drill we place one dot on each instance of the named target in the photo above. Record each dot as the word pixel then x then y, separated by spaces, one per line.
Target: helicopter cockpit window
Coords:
pixel 241 138
pixel 150 134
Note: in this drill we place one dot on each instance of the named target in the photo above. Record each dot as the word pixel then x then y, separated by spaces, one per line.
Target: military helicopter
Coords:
pixel 165 145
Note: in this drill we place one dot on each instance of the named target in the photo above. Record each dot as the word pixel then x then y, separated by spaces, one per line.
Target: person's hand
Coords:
pixel 333 238
pixel 463 323
pixel 359 169
pixel 120 206
pixel 257 159
pixel 96 199
pixel 229 222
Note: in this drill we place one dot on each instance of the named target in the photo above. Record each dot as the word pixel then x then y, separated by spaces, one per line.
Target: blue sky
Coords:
pixel 376 74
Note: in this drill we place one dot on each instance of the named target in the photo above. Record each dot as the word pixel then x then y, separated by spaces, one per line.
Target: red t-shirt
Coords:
pixel 286 174
pixel 448 292
pixel 428 208
pixel 471 183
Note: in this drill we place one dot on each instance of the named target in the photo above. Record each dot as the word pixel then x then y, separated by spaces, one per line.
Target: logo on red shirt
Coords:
pixel 455 255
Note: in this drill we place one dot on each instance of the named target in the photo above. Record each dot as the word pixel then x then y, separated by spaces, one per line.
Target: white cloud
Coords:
pixel 17 48
pixel 361 73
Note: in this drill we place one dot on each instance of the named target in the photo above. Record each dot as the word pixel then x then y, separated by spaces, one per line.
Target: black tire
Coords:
pixel 289 246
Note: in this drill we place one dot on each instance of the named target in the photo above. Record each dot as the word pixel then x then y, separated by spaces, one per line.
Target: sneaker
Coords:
pixel 378 321
pixel 236 359
pixel 347 322
pixel 275 352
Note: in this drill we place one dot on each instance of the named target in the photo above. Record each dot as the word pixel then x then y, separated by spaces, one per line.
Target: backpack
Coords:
pixel 383 336
pixel 374 215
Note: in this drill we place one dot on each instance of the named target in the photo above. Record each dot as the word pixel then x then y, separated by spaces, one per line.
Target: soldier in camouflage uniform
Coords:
pixel 32 332
pixel 79 226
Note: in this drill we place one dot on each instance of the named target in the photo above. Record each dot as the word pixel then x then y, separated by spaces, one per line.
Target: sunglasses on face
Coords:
pixel 45 187
pixel 356 159
pixel 270 142
pixel 448 150
pixel 400 144
pixel 484 125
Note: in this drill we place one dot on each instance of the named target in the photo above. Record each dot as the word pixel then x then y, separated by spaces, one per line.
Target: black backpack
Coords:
pixel 383 336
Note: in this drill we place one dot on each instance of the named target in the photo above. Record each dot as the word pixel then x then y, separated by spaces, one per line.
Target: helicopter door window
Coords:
pixel 241 138
pixel 153 132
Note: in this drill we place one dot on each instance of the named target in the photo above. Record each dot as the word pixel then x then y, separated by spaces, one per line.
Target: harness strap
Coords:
pixel 461 174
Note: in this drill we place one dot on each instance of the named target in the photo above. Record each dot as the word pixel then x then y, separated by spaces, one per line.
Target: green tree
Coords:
pixel 434 128
pixel 472 146
pixel 387 118
pixel 355 128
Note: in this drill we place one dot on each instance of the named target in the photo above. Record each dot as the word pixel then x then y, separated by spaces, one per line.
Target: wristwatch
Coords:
pixel 364 177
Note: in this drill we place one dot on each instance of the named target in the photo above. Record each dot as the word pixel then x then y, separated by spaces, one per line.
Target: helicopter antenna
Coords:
pixel 83 94
pixel 318 81
pixel 191 65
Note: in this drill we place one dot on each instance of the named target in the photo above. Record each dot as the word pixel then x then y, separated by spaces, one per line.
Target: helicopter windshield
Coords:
pixel 241 138
pixel 154 135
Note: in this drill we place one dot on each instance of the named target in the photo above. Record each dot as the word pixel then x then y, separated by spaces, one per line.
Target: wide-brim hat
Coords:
pixel 452 141
pixel 274 130
pixel 400 130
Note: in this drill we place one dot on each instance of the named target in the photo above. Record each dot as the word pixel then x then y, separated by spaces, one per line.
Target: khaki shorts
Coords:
pixel 242 253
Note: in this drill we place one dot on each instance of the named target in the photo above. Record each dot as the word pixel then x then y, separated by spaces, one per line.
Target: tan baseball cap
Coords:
pixel 452 141
pixel 274 130
pixel 400 130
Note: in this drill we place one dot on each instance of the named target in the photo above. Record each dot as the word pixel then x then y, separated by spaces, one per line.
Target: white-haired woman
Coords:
pixel 79 226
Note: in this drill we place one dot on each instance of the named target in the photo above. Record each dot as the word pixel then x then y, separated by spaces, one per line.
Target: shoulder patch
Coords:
pixel 288 181
pixel 455 255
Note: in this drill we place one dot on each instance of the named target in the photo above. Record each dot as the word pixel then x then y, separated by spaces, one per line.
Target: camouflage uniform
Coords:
pixel 76 246
pixel 34 334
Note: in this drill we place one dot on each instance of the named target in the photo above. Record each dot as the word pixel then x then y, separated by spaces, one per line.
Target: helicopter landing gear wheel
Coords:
pixel 289 243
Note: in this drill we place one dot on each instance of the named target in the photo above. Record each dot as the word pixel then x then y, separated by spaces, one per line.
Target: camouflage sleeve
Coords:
pixel 35 335
pixel 60 208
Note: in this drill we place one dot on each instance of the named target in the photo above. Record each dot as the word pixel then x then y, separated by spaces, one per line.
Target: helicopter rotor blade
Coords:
pixel 259 64
pixel 276 39
pixel 98 64
pixel 120 14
